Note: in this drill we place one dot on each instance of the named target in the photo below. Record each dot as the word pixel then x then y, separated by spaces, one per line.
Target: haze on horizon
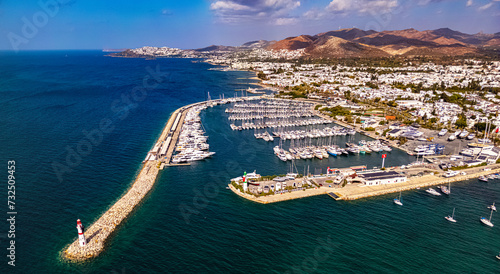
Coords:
pixel 92 24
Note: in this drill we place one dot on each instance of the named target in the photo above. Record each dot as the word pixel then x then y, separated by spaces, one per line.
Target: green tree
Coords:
pixel 461 122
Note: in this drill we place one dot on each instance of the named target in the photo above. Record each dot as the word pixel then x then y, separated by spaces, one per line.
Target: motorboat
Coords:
pixel 443 132
pixel 433 192
pixel 450 173
pixel 483 179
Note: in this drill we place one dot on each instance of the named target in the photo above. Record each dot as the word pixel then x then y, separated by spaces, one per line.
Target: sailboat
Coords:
pixel 446 190
pixel 451 218
pixel 493 207
pixel 487 221
pixel 398 201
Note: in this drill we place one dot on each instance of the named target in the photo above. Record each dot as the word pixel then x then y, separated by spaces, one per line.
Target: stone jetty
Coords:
pixel 98 232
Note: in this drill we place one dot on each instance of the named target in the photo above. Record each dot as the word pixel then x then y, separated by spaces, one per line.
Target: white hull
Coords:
pixel 486 222
pixel 449 218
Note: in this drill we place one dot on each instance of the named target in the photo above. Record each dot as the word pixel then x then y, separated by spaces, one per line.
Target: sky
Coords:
pixel 187 24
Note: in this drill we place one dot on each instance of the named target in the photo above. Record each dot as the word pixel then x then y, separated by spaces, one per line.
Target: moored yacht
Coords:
pixel 433 192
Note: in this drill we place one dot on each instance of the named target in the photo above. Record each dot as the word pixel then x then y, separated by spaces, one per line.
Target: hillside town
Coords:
pixel 412 100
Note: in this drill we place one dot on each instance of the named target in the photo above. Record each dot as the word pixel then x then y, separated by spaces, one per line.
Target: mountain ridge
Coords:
pixel 354 42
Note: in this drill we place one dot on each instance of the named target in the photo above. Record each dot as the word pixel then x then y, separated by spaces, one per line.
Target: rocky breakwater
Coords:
pixel 98 232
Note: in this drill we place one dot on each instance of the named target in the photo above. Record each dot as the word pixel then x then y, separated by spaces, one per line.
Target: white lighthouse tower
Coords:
pixel 81 237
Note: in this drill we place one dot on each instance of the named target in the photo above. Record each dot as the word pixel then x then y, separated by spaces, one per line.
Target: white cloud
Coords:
pixel 285 21
pixel 485 7
pixel 230 11
pixel 228 5
pixel 362 6
pixel 314 14
pixel 469 3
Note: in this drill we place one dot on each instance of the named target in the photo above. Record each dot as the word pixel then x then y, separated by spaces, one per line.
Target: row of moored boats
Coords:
pixel 192 144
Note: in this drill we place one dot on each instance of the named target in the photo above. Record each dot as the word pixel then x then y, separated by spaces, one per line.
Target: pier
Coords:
pixel 160 156
pixel 358 191
pixel 99 231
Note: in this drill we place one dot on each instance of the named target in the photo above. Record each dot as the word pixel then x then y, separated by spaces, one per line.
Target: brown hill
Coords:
pixel 293 43
pixel 347 34
pixel 331 46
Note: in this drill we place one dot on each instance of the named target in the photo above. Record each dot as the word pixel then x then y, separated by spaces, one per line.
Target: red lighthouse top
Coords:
pixel 78 222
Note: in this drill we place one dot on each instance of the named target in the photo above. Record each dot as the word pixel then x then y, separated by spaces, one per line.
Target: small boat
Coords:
pixel 487 221
pixel 493 207
pixel 433 192
pixel 443 132
pixel 450 218
pixel 398 201
pixel 483 179
pixel 446 190
pixel 498 256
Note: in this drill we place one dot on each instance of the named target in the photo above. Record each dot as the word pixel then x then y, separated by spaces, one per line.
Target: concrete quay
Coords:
pixel 358 191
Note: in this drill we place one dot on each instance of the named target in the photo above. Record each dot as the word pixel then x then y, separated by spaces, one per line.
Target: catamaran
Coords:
pixel 450 218
pixel 398 201
pixel 487 221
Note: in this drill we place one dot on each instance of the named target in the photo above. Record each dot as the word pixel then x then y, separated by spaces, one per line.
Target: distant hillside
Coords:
pixel 359 43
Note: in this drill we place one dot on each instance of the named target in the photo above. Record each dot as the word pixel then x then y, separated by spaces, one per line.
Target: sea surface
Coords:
pixel 78 125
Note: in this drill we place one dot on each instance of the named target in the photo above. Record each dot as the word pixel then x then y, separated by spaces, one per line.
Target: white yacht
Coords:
pixel 433 192
pixel 443 132
pixel 452 137
pixel 450 173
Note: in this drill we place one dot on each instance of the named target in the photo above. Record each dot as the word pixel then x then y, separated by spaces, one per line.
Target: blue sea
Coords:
pixel 78 124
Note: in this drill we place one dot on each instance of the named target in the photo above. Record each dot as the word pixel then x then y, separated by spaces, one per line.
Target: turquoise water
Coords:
pixel 190 222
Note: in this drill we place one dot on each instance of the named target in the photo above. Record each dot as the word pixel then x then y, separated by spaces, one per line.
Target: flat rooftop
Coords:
pixel 379 175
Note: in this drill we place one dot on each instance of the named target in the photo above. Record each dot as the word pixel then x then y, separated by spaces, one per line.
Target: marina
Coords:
pixel 183 134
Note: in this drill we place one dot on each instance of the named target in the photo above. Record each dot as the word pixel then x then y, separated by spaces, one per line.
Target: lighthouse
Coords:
pixel 80 228
pixel 245 184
